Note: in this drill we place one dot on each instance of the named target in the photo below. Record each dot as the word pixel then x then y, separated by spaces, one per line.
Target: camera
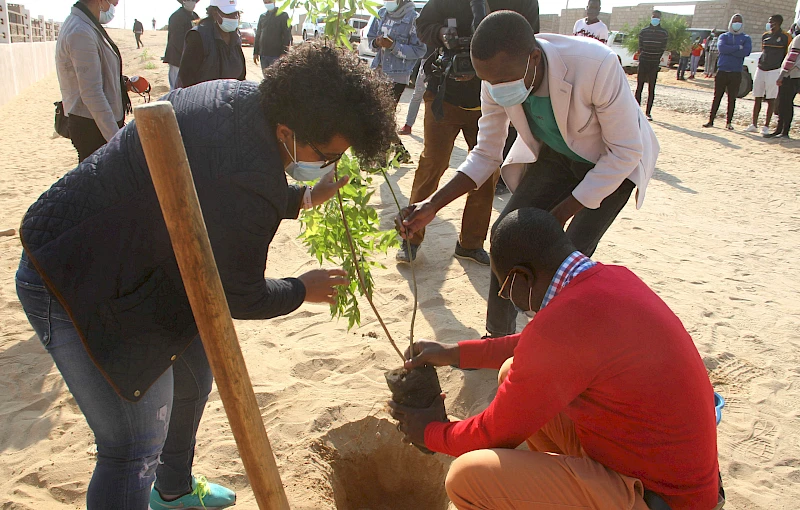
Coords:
pixel 453 62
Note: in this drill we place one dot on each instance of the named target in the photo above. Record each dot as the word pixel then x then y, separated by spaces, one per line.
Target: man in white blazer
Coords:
pixel 583 141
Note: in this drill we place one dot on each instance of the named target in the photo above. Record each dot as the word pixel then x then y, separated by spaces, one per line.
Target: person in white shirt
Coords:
pixel 591 26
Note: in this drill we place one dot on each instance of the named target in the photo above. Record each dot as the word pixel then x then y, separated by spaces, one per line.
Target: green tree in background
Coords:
pixel 675 26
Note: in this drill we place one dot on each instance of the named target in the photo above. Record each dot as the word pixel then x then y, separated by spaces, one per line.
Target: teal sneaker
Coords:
pixel 204 496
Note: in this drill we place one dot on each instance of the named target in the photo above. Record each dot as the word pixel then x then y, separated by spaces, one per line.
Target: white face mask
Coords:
pixel 304 170
pixel 107 16
pixel 514 92
pixel 269 7
pixel 229 24
pixel 189 6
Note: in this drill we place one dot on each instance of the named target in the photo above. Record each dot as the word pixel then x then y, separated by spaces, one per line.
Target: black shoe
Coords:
pixel 478 255
pixel 404 256
pixel 403 155
pixel 709 124
pixel 772 135
pixel 501 189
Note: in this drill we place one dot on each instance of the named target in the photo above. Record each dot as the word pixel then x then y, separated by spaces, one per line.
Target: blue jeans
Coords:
pixel 683 65
pixel 416 98
pixel 137 442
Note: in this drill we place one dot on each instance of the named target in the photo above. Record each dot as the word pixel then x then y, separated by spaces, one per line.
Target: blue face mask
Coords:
pixel 107 16
pixel 304 170
pixel 655 21
pixel 391 5
pixel 514 92
pixel 736 26
pixel 229 25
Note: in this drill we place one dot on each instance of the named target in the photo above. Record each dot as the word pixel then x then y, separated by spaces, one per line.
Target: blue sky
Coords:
pixel 146 10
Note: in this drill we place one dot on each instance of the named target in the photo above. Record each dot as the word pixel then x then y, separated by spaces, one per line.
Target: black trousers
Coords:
pixel 725 82
pixel 648 74
pixel 547 183
pixel 790 87
pixel 86 136
pixel 139 42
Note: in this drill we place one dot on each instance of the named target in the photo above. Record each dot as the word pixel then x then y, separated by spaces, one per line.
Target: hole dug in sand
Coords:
pixel 372 469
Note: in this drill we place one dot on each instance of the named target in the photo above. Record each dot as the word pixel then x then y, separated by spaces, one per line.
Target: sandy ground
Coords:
pixel 716 239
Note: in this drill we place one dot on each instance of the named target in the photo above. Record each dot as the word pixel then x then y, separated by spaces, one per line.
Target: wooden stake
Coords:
pixel 172 178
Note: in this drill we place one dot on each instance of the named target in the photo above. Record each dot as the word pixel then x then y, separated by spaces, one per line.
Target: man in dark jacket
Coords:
pixel 98 261
pixel 652 44
pixel 460 101
pixel 180 22
pixel 138 30
pixel 273 36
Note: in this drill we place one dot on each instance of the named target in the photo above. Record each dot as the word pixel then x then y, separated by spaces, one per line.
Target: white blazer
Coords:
pixel 596 114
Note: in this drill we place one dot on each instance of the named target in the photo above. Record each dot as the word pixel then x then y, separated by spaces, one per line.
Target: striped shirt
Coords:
pixel 572 266
pixel 652 44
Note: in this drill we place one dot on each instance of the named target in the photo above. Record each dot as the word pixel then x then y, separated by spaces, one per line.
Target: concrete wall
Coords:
pixel 549 23
pixel 22 65
pixel 630 16
pixel 717 14
pixel 570 16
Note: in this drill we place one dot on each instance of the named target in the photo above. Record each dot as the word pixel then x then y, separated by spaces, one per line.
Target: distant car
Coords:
pixel 359 24
pixel 629 61
pixel 248 32
pixel 313 30
pixel 748 73
pixel 672 58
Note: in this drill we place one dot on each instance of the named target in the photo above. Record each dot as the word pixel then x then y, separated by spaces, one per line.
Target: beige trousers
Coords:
pixel 555 474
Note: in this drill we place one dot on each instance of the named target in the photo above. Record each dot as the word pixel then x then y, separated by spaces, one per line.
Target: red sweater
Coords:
pixel 611 355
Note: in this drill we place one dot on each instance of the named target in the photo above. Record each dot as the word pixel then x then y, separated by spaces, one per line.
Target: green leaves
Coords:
pixel 336 14
pixel 675 26
pixel 325 234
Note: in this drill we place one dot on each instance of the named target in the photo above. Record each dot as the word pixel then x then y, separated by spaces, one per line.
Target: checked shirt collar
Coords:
pixel 572 266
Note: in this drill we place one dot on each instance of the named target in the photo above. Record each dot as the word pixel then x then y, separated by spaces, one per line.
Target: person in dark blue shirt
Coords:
pixel 733 46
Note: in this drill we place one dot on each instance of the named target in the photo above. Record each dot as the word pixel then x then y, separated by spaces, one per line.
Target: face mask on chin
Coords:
pixel 514 92
pixel 107 16
pixel 304 171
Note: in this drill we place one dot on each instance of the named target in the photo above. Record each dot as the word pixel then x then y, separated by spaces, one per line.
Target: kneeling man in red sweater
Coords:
pixel 604 385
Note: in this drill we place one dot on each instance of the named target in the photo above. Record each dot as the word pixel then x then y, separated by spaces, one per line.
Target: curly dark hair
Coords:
pixel 320 91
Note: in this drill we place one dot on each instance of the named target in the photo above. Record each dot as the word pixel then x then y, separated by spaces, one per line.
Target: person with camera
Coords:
pixel 583 143
pixel 393 36
pixel 453 106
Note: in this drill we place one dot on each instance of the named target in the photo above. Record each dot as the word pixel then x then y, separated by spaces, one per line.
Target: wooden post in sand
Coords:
pixel 172 177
